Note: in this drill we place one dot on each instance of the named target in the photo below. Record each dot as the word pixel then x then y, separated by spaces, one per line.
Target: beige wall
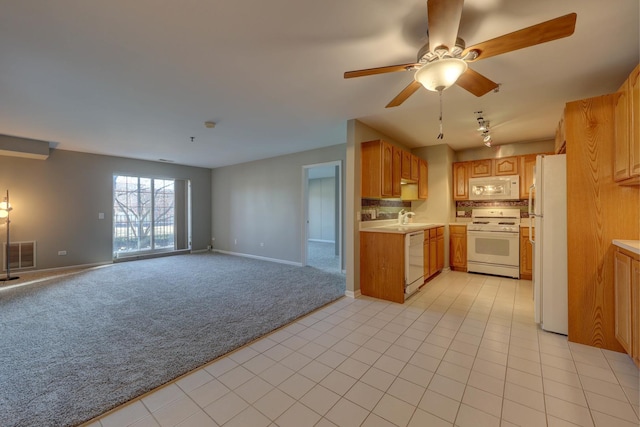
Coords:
pixel 56 203
pixel 506 150
pixel 357 132
pixel 439 206
pixel 262 202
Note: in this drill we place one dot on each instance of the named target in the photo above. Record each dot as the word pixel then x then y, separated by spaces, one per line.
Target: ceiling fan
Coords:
pixel 442 61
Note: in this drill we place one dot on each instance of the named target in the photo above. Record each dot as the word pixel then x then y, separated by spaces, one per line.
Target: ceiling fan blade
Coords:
pixel 404 94
pixel 380 70
pixel 443 22
pixel 475 83
pixel 541 33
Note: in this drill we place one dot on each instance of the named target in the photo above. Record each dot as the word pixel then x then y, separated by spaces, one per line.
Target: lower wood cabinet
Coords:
pixel 382 262
pixel 458 247
pixel 526 254
pixel 627 302
pixel 433 251
pixel 382 266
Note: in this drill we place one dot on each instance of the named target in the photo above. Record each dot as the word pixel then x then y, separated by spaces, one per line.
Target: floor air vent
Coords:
pixel 22 255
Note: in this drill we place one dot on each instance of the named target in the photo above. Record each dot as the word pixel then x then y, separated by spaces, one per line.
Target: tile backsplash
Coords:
pixel 374 209
pixel 467 205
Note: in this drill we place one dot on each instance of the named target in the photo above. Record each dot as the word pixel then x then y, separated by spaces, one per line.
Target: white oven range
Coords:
pixel 493 242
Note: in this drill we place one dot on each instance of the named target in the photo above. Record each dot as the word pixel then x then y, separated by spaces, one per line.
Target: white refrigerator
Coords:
pixel 548 211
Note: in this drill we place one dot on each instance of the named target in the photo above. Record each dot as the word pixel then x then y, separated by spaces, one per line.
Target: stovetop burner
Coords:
pixel 491 220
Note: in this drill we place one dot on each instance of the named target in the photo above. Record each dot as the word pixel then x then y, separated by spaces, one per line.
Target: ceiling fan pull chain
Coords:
pixel 440 135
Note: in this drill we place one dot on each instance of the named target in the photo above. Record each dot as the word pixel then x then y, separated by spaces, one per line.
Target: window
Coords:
pixel 143 214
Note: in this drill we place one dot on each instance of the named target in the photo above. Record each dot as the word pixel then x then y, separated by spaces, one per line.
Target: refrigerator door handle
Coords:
pixel 531 231
pixel 531 188
pixel 531 214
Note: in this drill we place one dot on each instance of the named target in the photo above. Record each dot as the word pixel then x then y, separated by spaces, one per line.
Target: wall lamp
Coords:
pixel 5 208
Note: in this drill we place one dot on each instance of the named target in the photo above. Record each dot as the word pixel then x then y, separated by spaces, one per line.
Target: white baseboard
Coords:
pixel 199 251
pixel 353 294
pixel 280 261
pixel 67 267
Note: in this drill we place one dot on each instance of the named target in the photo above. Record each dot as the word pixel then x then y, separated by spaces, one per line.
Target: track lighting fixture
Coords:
pixel 483 128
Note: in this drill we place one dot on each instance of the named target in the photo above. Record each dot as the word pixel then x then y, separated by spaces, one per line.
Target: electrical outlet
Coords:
pixel 460 213
pixel 62 252
pixel 235 241
pixel 261 244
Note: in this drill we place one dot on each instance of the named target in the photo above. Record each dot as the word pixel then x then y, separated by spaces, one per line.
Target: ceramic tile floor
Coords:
pixel 464 351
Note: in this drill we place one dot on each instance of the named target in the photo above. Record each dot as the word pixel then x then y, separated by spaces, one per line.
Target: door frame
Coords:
pixel 305 209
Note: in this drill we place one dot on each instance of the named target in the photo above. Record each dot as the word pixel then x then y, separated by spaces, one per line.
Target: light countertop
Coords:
pixel 395 228
pixel 630 245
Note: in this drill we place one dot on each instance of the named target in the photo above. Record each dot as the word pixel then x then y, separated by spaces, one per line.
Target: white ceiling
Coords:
pixel 139 78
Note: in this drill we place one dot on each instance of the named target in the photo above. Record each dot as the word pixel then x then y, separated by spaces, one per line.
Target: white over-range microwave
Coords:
pixel 495 188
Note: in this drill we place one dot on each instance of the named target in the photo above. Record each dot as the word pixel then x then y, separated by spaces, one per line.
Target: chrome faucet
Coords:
pixel 403 217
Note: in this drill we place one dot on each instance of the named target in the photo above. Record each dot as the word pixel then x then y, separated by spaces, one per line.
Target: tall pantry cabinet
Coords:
pixel 598 211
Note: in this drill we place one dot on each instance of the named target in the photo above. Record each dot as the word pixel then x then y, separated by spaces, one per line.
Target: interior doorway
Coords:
pixel 322 231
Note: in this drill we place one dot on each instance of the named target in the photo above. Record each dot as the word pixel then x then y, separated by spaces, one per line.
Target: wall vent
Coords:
pixel 22 255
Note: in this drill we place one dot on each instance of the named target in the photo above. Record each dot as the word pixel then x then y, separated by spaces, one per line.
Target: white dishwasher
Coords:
pixel 413 262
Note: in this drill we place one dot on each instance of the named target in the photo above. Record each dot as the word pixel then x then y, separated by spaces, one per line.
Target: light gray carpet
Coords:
pixel 75 347
pixel 322 255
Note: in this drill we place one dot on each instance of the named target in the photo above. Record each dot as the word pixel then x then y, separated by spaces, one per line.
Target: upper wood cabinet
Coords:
pixel 523 166
pixel 383 169
pixel 406 165
pixel 527 171
pixel 396 187
pixel 480 168
pixel 461 180
pixel 505 166
pixel 380 165
pixel 626 166
pixel 423 179
pixel 410 166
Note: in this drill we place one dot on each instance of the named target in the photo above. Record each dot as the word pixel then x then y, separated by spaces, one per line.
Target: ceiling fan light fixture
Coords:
pixel 440 74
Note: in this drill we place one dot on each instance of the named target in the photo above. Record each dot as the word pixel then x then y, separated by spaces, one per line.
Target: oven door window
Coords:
pixel 491 246
pixel 497 248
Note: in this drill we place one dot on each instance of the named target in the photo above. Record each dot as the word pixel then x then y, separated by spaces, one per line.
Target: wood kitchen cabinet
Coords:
pixel 627 302
pixel 598 211
pixel 423 179
pixel 527 173
pixel 383 169
pixel 626 168
pixel 461 171
pixel 440 248
pixel 433 251
pixel 505 166
pixel 481 168
pixel 458 247
pixel 406 165
pixel 381 164
pixel 410 166
pixel 382 266
pixel 526 254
